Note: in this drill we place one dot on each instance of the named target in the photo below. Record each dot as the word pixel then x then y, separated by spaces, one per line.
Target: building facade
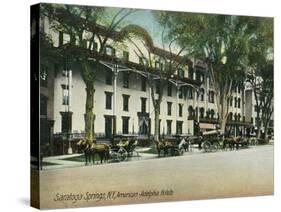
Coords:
pixel 123 94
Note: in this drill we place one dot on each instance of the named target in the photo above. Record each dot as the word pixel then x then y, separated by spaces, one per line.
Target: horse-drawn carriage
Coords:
pixel 123 146
pixel 211 140
pixel 175 144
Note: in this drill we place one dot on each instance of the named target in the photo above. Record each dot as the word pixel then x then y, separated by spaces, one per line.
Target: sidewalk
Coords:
pixel 61 163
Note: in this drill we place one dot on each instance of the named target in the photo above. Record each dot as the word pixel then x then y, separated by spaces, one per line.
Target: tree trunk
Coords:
pixel 89 115
pixel 156 126
pixel 258 129
pixel 222 125
pixel 265 131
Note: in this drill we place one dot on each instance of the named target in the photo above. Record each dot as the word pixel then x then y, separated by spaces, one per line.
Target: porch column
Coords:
pixel 115 75
pixel 177 104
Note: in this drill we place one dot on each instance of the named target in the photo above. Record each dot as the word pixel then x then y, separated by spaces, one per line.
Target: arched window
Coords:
pixel 190 111
pixel 230 116
pixel 238 117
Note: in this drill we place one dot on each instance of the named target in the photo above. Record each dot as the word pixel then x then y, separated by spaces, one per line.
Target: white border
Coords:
pixel 14 111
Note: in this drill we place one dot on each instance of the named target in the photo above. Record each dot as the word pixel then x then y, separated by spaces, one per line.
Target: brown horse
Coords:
pixel 84 146
pixel 228 143
pixel 90 149
pixel 234 142
pixel 165 146
pixel 102 150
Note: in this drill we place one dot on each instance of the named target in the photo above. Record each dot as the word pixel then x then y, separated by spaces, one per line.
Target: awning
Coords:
pixel 207 126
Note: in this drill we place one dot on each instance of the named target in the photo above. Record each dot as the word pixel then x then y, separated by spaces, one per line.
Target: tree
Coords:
pixel 157 77
pixel 222 42
pixel 260 75
pixel 266 96
pixel 84 25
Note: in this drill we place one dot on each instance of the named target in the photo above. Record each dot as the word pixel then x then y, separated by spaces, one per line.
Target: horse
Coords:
pixel 229 143
pixel 90 149
pixel 234 142
pixel 165 146
pixel 102 150
pixel 84 146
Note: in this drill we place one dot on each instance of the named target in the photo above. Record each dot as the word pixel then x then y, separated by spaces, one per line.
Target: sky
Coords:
pixel 145 19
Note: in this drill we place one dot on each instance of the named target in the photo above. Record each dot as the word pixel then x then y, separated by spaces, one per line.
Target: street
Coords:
pixel 246 172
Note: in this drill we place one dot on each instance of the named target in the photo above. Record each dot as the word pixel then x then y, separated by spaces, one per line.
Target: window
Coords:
pixel 143 125
pixel 110 51
pixel 44 76
pixel 190 93
pixel 239 102
pixel 202 93
pixel 60 38
pixel 230 101
pixel 126 102
pixel 108 78
pixel 157 87
pixel 169 108
pixel 65 94
pixel 143 83
pixel 126 79
pixel 181 92
pixel 66 121
pixel 201 110
pixel 108 126
pixel 179 127
pixel 169 127
pixel 108 100
pixel 211 96
pixel 238 117
pixel 190 72
pixel 180 110
pixel 126 56
pixel 125 125
pixel 143 105
pixel 95 46
pixel 169 89
pixel 230 116
pixel 235 102
pixel 190 111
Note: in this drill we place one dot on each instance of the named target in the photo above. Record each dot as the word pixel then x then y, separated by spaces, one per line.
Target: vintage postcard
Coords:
pixel 134 106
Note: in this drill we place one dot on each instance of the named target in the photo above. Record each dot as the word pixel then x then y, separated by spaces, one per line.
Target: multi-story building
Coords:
pixel 122 100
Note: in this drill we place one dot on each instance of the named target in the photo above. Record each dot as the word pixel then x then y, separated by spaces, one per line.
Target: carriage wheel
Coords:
pixel 216 146
pixel 122 155
pixel 207 146
pixel 181 151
